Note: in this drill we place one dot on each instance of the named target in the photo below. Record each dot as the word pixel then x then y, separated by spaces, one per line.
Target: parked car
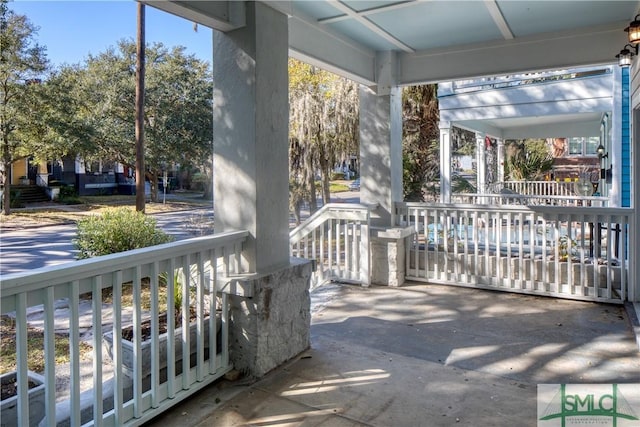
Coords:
pixel 355 185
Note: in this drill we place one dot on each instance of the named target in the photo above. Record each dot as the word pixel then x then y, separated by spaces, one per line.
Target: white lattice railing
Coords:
pixel 582 253
pixel 132 387
pixel 535 188
pixel 531 200
pixel 336 237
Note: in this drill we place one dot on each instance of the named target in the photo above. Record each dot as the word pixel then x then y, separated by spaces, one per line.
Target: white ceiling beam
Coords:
pixel 220 15
pixel 317 46
pixel 527 54
pixel 554 130
pixel 370 11
pixel 371 26
pixel 498 18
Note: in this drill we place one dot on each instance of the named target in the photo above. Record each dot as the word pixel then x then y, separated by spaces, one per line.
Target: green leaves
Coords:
pixel 117 230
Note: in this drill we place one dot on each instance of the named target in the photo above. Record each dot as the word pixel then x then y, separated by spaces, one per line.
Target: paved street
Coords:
pixel 23 250
pixel 31 248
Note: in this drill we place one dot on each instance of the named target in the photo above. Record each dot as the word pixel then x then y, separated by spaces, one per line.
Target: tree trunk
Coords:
pixel 153 185
pixel 140 169
pixel 326 186
pixel 326 176
pixel 313 201
pixel 208 185
pixel 6 176
pixel 6 195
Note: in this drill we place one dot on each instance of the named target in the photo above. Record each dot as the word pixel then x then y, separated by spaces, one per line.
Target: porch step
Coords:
pixel 31 193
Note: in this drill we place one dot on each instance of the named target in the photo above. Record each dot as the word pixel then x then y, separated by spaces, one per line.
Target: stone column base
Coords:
pixel 388 255
pixel 271 324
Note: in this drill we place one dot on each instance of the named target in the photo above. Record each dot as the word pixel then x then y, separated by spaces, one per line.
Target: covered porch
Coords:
pixel 245 271
pixel 426 355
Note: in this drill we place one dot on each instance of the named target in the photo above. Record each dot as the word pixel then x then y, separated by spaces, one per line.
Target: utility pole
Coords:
pixel 140 169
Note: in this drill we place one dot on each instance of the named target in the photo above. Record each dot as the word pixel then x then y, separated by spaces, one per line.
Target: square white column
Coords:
pixel 381 152
pixel 251 119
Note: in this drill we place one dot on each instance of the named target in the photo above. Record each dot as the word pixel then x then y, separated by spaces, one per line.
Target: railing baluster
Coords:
pixel 96 305
pixel 200 328
pixel 117 347
pixel 22 339
pixel 213 310
pixel 136 286
pixel 74 351
pixel 186 338
pixel 155 346
pixel 171 324
pixel 50 356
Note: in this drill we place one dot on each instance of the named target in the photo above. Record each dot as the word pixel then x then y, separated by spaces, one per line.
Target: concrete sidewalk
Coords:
pixel 427 355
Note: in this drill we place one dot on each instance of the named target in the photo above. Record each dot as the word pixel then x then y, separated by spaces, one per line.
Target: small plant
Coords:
pixel 177 291
pixel 566 247
pixel 117 230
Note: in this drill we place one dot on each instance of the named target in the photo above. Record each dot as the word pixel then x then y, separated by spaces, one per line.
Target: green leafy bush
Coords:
pixel 68 195
pixel 117 230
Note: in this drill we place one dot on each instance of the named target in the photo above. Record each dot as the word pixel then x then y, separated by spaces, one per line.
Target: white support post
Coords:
pixel 445 162
pixel 500 174
pixel 381 152
pixel 481 166
pixel 251 122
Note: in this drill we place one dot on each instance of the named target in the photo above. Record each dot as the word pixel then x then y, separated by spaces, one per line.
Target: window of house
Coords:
pixel 583 146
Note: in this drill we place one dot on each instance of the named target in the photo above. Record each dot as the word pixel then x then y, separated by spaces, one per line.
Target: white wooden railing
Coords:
pixel 535 188
pixel 581 253
pixel 527 200
pixel 336 237
pixel 128 395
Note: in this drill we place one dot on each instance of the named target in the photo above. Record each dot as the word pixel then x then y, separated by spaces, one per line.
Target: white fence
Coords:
pixel 136 384
pixel 580 253
pixel 527 200
pixel 336 237
pixel 535 188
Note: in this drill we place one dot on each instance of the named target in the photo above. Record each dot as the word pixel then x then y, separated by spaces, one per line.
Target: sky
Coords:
pixel 70 30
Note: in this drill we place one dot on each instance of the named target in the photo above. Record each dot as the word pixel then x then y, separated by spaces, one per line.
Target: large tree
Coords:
pixel 323 127
pixel 23 64
pixel 178 107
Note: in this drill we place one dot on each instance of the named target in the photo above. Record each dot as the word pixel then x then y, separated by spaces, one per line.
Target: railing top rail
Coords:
pixel 319 216
pixel 76 270
pixel 532 196
pixel 550 210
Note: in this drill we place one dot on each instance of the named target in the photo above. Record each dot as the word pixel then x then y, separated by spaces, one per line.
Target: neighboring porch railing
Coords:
pixel 581 254
pixel 527 200
pixel 534 188
pixel 336 237
pixel 138 385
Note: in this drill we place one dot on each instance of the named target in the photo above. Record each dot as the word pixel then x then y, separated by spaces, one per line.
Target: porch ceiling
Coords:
pixel 438 40
pixel 556 126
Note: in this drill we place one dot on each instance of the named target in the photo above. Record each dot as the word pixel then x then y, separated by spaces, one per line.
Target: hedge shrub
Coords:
pixel 117 230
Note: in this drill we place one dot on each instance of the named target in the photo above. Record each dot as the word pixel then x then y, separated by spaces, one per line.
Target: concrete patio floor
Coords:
pixel 426 355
